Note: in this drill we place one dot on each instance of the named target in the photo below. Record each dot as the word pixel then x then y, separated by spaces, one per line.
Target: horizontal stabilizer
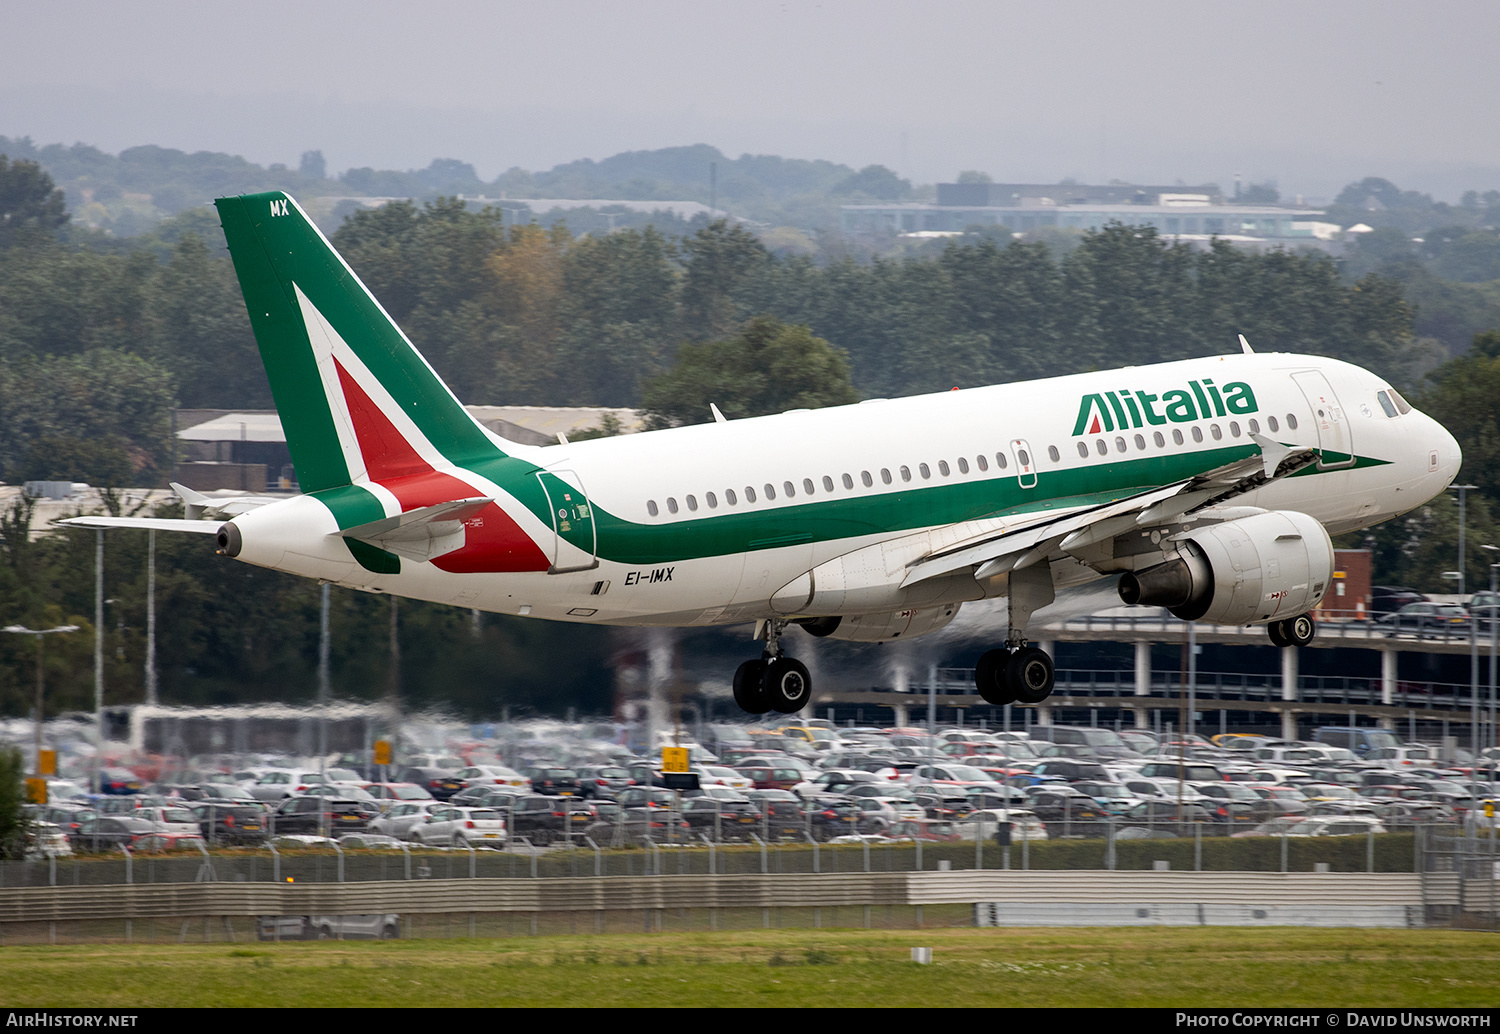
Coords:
pixel 422 534
pixel 145 524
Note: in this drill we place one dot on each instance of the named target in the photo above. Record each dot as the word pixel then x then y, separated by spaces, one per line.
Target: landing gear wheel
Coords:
pixel 990 679
pixel 1301 629
pixel 786 684
pixel 1029 675
pixel 749 693
pixel 1276 630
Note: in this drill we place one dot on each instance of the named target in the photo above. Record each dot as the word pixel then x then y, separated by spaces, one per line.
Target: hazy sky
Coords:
pixel 1312 94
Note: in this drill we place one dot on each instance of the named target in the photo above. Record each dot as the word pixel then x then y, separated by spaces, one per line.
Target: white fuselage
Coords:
pixel 680 541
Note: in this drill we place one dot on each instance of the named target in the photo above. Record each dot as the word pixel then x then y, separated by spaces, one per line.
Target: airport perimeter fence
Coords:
pixel 1431 875
pixel 1186 846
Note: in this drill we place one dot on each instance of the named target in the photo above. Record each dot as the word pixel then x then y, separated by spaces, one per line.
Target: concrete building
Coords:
pixel 1191 214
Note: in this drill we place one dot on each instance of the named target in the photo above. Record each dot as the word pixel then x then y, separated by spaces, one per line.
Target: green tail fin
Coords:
pixel 318 328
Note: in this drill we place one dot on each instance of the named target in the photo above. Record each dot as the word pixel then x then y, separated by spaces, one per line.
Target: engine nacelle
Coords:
pixel 1243 572
pixel 882 628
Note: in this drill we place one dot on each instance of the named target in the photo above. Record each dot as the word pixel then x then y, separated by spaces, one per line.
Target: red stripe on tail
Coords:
pixel 493 541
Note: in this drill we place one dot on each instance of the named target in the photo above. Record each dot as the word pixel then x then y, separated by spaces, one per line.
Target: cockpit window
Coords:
pixel 1402 406
pixel 1386 403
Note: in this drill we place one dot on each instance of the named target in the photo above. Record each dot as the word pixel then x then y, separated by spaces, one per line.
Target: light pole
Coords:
pixel 1463 510
pixel 38 632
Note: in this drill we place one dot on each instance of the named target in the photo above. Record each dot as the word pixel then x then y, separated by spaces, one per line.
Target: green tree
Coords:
pixel 768 367
pixel 721 259
pixel 12 798
pixel 31 206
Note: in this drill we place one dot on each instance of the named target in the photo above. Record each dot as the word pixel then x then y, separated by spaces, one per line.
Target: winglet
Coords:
pixel 1271 452
pixel 1245 346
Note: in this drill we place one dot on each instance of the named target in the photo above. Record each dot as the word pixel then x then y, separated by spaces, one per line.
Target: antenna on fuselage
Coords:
pixel 718 417
pixel 1245 346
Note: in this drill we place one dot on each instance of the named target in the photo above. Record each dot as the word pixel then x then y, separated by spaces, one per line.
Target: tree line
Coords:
pixel 99 340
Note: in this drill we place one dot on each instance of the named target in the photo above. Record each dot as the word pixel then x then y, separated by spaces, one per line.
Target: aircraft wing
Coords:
pixel 1075 529
pixel 144 523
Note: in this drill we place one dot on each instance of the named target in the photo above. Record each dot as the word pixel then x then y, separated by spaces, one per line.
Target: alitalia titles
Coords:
pixel 1124 408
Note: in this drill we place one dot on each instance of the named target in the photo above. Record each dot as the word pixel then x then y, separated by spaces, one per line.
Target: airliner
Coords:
pixel 1207 486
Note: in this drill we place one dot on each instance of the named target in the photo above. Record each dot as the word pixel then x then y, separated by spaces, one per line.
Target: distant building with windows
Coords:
pixel 1190 214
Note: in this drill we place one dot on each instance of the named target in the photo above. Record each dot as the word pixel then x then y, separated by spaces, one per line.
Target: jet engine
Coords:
pixel 1243 572
pixel 881 628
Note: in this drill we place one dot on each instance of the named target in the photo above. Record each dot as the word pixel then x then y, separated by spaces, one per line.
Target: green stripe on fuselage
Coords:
pixel 909 508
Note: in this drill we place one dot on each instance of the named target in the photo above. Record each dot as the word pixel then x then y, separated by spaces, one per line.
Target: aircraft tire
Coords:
pixel 990 678
pixel 1300 630
pixel 786 685
pixel 1277 632
pixel 1030 675
pixel 749 691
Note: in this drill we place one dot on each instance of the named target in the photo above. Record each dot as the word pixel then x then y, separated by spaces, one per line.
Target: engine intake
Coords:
pixel 1241 572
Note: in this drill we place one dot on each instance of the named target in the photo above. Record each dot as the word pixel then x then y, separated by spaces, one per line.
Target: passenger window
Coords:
pixel 984 464
pixel 1083 451
pixel 1156 437
pixel 729 497
pixel 1140 442
pixel 1176 436
pixel 963 465
pixel 1215 430
pixel 827 483
pixel 712 500
pixel 807 486
pixel 1197 434
pixel 749 494
pixel 943 467
pixel 848 481
pixel 651 507
pixel 671 505
pixel 1234 428
pixel 692 502
pixel 865 477
pixel 1119 445
pixel 1001 461
pixel 1272 424
pixel 1101 447
pixel 885 475
pixel 905 473
pixel 924 470
pixel 789 489
pixel 1291 421
pixel 1254 426
pixel 1021 457
pixel 1053 453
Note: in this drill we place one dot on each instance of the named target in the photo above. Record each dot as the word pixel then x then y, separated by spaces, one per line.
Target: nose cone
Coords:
pixel 1450 455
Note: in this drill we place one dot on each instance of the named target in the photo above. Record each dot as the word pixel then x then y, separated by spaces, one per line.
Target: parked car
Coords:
pixel 459 827
pixel 1424 620
pixel 323 815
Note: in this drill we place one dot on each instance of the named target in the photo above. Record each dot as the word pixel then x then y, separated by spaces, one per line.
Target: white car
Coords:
pixel 1024 825
pixel 492 775
pixel 718 775
pixel 448 826
pixel 402 818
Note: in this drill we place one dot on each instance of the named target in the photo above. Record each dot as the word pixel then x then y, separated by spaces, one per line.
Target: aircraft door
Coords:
pixel 1335 438
pixel 575 539
pixel 1025 460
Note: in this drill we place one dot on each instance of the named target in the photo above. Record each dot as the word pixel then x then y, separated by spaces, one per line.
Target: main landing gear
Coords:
pixel 1297 631
pixel 1014 675
pixel 1017 673
pixel 773 681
